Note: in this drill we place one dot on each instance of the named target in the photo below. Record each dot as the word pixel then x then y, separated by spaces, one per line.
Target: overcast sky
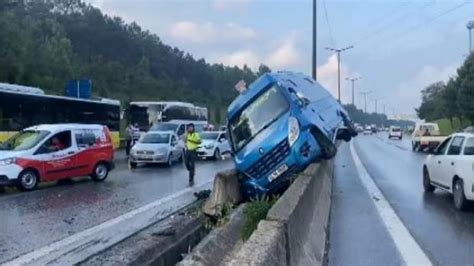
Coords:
pixel 400 46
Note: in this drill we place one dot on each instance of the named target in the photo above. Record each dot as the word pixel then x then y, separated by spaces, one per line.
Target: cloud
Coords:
pixel 239 58
pixel 285 56
pixel 230 4
pixel 209 32
pixel 408 92
pixel 327 76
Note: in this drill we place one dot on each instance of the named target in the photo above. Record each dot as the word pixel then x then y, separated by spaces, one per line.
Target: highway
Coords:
pixel 361 231
pixel 32 220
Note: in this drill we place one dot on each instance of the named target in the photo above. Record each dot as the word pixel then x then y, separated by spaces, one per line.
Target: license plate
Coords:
pixel 278 172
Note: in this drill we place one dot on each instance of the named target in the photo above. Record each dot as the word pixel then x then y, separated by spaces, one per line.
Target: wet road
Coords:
pixel 29 221
pixel 358 234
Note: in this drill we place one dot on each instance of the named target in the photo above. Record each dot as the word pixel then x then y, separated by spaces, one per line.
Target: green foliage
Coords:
pixel 221 218
pixel 447 126
pixel 255 211
pixel 44 43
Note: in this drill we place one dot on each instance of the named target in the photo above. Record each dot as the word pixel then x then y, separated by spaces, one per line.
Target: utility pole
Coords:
pixel 315 44
pixel 376 101
pixel 470 26
pixel 365 93
pixel 384 109
pixel 352 81
pixel 338 51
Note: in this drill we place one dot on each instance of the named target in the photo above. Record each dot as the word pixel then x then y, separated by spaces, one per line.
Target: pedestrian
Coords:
pixel 193 140
pixel 128 138
pixel 135 133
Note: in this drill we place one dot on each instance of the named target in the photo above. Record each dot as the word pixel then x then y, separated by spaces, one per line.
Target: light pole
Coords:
pixel 338 51
pixel 365 93
pixel 376 100
pixel 315 44
pixel 352 81
pixel 470 26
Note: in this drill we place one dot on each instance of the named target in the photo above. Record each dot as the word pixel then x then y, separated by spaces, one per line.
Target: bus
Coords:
pixel 149 114
pixel 22 107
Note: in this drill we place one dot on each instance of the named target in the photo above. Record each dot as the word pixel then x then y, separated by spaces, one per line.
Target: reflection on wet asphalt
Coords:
pixel 32 220
pixel 445 234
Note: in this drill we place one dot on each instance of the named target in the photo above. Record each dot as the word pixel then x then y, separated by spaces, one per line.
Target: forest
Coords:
pixel 45 43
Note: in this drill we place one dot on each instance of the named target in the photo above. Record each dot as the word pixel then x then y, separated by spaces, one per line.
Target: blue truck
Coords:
pixel 282 123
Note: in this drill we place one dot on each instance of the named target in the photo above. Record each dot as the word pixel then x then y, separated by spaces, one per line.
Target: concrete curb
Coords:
pixel 298 222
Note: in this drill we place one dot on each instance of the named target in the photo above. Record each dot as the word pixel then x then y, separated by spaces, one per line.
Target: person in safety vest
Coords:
pixel 192 140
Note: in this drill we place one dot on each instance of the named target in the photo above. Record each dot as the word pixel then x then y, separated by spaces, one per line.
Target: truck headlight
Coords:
pixel 293 130
pixel 7 161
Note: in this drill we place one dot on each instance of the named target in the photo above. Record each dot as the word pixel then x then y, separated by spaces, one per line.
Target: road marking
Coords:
pixel 410 251
pixel 81 246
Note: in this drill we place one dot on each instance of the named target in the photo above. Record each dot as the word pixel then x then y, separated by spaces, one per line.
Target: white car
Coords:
pixel 395 132
pixel 214 145
pixel 451 168
pixel 367 131
pixel 157 147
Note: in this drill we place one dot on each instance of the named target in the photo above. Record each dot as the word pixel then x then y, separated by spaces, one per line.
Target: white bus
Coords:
pixel 167 116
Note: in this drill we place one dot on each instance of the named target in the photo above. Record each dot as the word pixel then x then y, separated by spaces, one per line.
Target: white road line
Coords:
pixel 410 251
pixel 80 246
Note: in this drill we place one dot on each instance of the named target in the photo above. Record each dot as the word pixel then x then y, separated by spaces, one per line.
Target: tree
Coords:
pixel 431 107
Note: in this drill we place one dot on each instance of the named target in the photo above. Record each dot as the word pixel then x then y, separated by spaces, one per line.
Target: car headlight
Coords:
pixel 209 146
pixel 7 161
pixel 293 130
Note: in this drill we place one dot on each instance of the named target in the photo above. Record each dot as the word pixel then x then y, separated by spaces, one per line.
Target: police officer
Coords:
pixel 193 140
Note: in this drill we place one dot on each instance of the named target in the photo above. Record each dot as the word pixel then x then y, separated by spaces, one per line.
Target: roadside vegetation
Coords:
pixel 451 104
pixel 255 211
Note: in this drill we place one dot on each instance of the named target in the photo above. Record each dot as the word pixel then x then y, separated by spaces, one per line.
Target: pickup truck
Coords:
pixel 450 168
pixel 426 136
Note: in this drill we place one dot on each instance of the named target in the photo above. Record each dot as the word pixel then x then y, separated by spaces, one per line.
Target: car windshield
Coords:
pixel 258 115
pixel 209 135
pixel 155 138
pixel 164 127
pixel 395 129
pixel 24 140
pixel 427 127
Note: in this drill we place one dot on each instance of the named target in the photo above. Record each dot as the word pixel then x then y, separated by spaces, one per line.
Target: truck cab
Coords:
pixel 283 122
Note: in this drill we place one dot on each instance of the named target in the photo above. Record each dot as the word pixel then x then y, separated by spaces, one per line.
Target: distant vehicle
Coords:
pixel 55 152
pixel 373 128
pixel 395 132
pixel 214 145
pixel 157 147
pixel 368 131
pixel 22 107
pixel 150 114
pixel 281 124
pixel 179 128
pixel 451 168
pixel 426 136
pixel 359 129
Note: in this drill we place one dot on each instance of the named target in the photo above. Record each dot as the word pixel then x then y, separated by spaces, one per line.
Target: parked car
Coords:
pixel 395 132
pixel 368 131
pixel 278 126
pixel 157 147
pixel 426 136
pixel 451 168
pixel 55 152
pixel 214 145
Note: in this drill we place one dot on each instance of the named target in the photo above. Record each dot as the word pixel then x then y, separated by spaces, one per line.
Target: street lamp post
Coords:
pixel 338 51
pixel 352 81
pixel 315 44
pixel 365 93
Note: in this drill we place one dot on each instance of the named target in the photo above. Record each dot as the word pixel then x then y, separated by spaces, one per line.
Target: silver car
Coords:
pixel 157 147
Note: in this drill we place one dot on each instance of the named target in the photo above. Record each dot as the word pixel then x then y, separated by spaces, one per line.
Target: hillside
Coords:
pixel 44 43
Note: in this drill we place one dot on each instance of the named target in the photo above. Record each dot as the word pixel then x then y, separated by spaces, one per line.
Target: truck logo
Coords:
pixel 261 151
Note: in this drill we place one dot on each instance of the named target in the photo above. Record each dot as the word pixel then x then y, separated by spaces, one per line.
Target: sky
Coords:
pixel 400 46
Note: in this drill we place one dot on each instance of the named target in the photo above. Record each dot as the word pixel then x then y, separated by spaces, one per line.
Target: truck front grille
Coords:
pixel 270 160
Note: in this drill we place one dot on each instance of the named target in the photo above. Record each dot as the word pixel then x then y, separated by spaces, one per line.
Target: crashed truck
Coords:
pixel 282 123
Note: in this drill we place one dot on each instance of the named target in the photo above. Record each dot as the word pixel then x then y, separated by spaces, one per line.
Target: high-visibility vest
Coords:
pixel 192 141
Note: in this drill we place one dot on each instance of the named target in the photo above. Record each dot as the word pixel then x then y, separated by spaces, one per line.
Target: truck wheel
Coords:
pixel 328 148
pixel 28 180
pixel 349 125
pixel 101 171
pixel 460 201
pixel 427 181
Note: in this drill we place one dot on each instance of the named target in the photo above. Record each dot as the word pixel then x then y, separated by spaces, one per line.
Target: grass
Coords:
pixel 446 128
pixel 255 211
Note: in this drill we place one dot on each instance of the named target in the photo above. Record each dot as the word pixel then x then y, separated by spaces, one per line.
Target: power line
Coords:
pixel 329 24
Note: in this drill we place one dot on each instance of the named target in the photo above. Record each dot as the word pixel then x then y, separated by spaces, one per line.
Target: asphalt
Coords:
pixel 357 234
pixel 29 221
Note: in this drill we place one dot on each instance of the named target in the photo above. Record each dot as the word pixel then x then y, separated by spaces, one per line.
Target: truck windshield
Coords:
pixel 24 140
pixel 258 115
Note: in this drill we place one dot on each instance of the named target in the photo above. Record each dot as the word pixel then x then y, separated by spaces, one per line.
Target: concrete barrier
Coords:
pixel 298 222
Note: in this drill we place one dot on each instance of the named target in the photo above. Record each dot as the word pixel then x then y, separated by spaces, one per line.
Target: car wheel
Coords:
pixel 170 160
pixel 132 165
pixel 460 201
pixel 101 171
pixel 217 154
pixel 28 180
pixel 427 181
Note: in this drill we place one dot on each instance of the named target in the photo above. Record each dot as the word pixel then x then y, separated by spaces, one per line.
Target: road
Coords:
pixel 32 220
pixel 360 235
